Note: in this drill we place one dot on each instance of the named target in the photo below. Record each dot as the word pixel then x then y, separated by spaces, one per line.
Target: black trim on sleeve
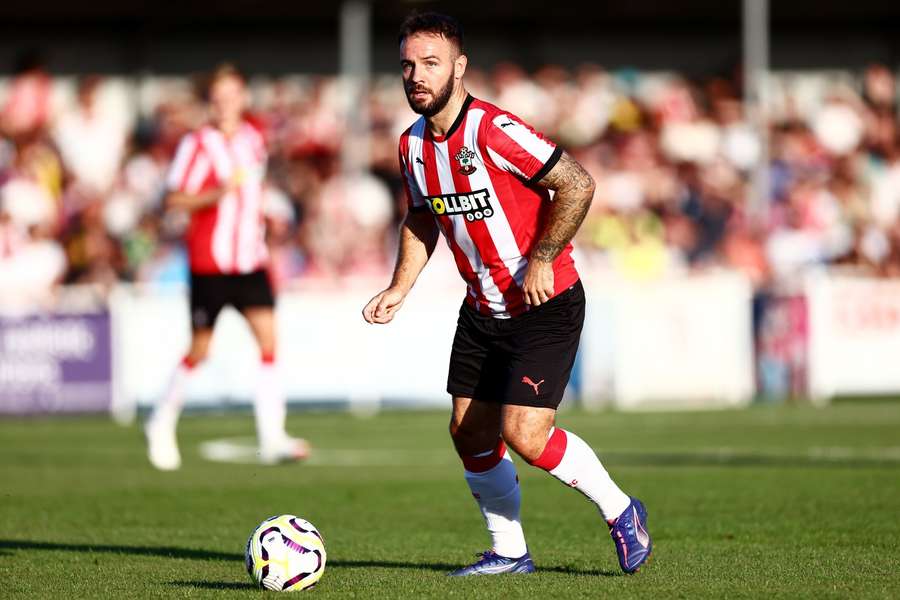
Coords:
pixel 418 209
pixel 551 162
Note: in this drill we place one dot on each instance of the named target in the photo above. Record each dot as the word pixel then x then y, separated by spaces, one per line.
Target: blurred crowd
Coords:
pixel 83 160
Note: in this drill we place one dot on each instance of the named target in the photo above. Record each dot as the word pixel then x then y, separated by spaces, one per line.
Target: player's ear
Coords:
pixel 459 66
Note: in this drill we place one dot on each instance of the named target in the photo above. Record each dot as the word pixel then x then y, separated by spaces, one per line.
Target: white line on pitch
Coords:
pixel 243 450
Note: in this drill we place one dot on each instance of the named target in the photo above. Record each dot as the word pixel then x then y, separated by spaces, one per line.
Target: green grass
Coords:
pixel 769 502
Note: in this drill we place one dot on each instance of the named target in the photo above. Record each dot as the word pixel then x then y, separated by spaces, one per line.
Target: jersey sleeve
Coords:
pixel 516 147
pixel 415 202
pixel 178 179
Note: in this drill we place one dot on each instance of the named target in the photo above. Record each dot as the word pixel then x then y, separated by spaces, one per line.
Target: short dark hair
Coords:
pixel 435 23
pixel 222 71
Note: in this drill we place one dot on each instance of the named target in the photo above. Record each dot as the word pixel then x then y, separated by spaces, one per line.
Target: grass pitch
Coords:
pixel 769 502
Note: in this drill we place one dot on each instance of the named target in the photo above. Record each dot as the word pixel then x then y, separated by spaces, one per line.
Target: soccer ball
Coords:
pixel 285 554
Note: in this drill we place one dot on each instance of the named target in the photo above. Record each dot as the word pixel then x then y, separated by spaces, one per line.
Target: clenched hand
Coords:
pixel 382 308
pixel 538 284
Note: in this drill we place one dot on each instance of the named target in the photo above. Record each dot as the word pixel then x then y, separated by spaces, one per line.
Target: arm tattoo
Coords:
pixel 574 191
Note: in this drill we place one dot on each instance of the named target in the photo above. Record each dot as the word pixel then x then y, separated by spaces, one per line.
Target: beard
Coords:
pixel 437 104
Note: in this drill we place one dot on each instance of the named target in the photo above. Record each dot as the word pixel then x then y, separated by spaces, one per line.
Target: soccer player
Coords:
pixel 482 177
pixel 217 176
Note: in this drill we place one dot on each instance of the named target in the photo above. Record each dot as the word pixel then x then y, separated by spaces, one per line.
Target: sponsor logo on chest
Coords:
pixel 476 206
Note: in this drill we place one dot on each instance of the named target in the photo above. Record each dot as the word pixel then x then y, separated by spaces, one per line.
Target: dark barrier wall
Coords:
pixel 693 36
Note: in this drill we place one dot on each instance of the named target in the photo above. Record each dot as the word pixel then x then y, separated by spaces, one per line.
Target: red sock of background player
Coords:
pixel 168 408
pixel 494 484
pixel 568 458
pixel 269 406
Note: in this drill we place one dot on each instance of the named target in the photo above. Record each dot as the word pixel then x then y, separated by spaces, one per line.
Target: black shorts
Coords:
pixel 525 360
pixel 211 293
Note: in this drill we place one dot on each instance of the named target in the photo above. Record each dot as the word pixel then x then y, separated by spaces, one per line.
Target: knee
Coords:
pixel 469 438
pixel 459 429
pixel 527 443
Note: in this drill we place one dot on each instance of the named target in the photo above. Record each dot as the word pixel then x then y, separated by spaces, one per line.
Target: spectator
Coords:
pixel 671 159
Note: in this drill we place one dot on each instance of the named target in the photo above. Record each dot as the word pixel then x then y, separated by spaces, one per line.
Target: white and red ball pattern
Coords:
pixel 285 554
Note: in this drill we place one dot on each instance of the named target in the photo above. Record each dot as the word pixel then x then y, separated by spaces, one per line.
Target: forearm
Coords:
pixel 574 192
pixel 418 237
pixel 566 215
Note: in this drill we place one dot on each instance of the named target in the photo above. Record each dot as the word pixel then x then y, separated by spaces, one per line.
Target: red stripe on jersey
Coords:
pixel 481 236
pixel 433 183
pixel 199 240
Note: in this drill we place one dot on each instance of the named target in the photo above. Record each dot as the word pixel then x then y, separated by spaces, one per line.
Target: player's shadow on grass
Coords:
pixel 215 585
pixel 163 551
pixel 446 568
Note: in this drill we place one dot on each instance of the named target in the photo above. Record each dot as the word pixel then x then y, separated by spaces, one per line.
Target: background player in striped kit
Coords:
pixel 217 176
pixel 485 177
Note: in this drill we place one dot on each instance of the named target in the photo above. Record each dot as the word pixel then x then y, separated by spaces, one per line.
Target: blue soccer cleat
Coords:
pixel 494 564
pixel 629 533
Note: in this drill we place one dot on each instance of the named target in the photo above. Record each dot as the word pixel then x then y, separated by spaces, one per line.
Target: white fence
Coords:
pixel 854 336
pixel 670 344
pixel 683 343
pixel 326 352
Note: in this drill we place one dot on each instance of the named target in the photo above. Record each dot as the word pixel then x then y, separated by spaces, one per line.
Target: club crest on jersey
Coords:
pixel 464 157
pixel 475 206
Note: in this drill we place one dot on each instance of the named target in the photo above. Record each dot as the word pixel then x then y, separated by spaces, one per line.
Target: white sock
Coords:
pixel 580 468
pixel 269 406
pixel 167 410
pixel 497 493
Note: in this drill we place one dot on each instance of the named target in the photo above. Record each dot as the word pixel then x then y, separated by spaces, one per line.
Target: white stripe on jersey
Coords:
pixel 217 147
pixel 499 227
pixel 489 288
pixel 527 140
pixel 181 162
pixel 199 173
pixel 250 207
pixel 502 163
pixel 223 233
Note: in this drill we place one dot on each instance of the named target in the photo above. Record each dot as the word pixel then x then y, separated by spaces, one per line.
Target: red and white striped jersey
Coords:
pixel 227 237
pixel 480 183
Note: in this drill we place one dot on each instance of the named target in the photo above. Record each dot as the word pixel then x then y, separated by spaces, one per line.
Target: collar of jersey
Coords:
pixel 459 119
